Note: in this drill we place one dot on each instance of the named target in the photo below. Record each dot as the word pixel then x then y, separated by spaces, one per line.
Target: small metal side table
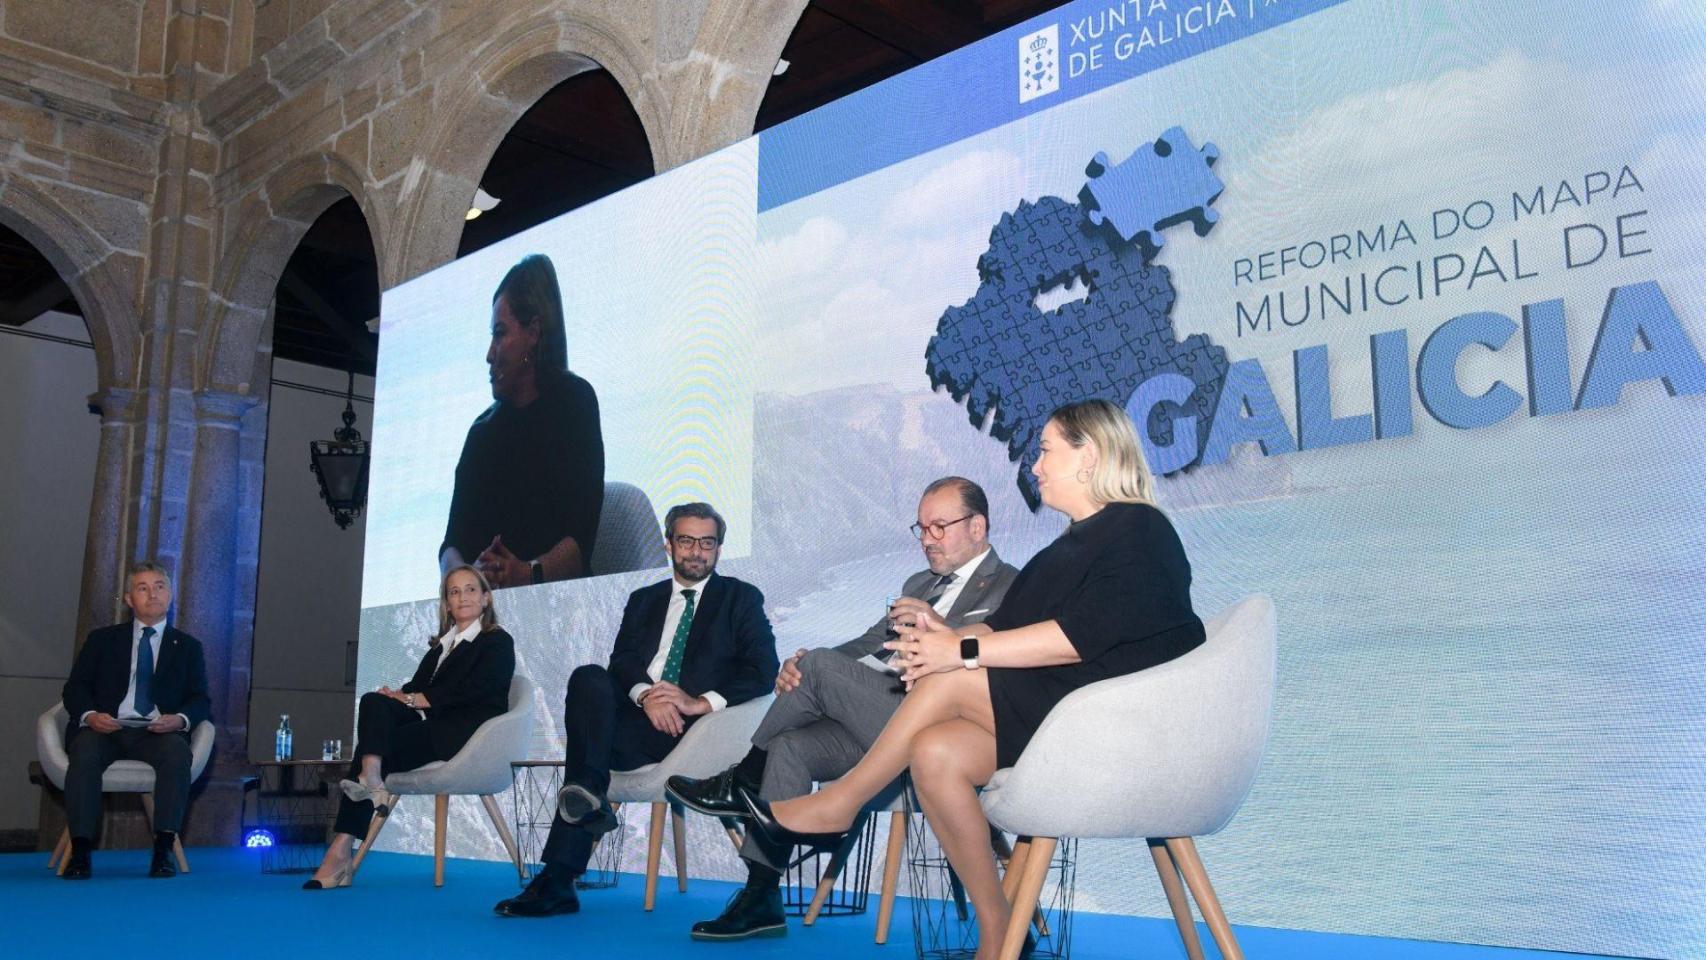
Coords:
pixel 296 801
pixel 944 926
pixel 535 784
pixel 849 869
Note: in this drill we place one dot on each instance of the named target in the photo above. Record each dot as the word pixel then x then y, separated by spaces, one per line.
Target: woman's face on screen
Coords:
pixel 509 359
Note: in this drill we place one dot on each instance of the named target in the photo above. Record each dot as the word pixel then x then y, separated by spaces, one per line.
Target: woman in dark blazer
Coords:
pixel 462 682
pixel 1110 596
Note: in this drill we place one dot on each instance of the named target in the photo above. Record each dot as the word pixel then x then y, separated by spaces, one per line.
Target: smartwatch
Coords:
pixel 538 571
pixel 968 652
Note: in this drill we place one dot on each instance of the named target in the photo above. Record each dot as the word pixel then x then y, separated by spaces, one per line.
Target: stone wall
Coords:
pixel 168 155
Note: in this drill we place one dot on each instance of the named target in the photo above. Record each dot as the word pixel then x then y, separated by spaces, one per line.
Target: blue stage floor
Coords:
pixel 226 907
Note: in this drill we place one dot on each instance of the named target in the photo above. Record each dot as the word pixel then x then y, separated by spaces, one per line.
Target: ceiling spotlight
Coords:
pixel 781 68
pixel 483 201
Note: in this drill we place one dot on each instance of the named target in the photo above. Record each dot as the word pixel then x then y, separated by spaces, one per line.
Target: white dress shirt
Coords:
pixel 671 620
pixel 962 575
pixel 451 638
pixel 127 706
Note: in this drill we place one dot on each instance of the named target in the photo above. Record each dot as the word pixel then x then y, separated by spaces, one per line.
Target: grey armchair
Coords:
pixel 480 768
pixel 1166 754
pixel 124 776
pixel 712 745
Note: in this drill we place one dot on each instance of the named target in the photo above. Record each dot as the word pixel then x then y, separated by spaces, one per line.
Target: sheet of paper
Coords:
pixel 870 660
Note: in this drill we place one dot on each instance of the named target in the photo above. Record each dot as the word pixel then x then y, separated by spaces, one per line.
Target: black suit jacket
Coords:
pixel 730 647
pixel 100 676
pixel 472 687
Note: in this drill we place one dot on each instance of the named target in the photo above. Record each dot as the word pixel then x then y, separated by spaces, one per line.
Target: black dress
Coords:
pixel 1118 584
pixel 533 476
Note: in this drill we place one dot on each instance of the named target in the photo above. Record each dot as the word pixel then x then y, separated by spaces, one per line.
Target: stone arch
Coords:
pixel 510 74
pixel 103 278
pixel 740 42
pixel 270 222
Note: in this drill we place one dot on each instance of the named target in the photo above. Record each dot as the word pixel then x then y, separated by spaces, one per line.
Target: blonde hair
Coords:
pixel 488 616
pixel 1120 475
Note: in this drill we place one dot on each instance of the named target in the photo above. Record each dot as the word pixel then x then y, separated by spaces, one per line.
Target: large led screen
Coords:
pixel 1408 300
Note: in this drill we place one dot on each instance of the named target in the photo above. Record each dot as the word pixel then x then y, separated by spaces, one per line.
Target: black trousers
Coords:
pixel 604 731
pixel 91 753
pixel 401 740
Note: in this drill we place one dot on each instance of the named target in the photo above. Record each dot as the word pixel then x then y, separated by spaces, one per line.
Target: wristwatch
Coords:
pixel 538 571
pixel 410 700
pixel 968 652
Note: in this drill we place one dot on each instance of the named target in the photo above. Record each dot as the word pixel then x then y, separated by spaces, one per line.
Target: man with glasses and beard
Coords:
pixel 688 646
pixel 830 705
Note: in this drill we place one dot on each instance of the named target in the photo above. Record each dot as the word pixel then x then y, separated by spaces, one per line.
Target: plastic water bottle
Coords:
pixel 281 739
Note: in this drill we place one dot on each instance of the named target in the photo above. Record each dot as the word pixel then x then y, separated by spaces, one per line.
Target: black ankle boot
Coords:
pixel 164 864
pixel 77 866
pixel 754 910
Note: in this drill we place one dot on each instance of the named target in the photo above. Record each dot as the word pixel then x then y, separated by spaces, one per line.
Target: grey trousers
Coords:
pixel 819 730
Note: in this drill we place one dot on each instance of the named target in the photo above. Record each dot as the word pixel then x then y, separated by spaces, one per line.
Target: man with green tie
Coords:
pixel 688 646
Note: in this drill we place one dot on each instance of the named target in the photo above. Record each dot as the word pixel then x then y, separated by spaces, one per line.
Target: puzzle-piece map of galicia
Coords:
pixel 999 351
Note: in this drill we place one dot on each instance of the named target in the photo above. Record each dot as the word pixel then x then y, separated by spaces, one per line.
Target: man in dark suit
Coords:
pixel 688 646
pixel 136 691
pixel 831 703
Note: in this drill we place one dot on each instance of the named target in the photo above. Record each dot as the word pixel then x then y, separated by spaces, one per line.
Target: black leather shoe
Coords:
pixel 164 865
pixel 758 810
pixel 575 802
pixel 713 796
pixel 749 913
pixel 77 866
pixel 544 897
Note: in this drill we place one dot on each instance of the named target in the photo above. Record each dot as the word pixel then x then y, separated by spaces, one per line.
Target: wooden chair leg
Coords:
pixel 177 842
pixel 898 821
pixel 654 853
pixel 678 833
pixel 60 848
pixel 1015 867
pixel 832 870
pixel 490 802
pixel 64 852
pixel 1035 870
pixel 731 829
pixel 1184 851
pixel 1169 873
pixel 373 827
pixel 440 820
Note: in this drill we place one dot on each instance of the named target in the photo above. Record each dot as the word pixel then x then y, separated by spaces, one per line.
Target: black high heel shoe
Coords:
pixel 758 810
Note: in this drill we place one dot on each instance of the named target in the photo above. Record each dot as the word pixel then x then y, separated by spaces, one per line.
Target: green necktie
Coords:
pixel 678 645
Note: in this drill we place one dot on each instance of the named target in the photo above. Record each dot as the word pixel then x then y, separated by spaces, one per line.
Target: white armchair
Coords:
pixel 714 743
pixel 480 768
pixel 1166 754
pixel 124 776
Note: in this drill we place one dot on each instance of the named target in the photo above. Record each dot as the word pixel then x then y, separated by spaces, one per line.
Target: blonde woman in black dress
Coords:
pixel 1110 597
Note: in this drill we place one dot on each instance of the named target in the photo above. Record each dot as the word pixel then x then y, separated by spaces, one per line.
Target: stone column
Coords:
pixel 207 588
pixel 112 509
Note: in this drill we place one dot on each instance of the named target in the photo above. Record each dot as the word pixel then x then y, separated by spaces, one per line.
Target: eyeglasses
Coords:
pixel 706 544
pixel 937 530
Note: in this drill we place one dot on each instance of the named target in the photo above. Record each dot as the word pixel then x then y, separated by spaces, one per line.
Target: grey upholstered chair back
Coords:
pixel 482 765
pixel 712 745
pixel 124 776
pixel 1166 752
pixel 629 537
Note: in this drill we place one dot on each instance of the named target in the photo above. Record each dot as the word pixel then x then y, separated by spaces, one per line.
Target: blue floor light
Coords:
pixel 258 839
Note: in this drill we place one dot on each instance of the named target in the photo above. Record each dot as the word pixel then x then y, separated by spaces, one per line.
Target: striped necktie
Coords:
pixel 940 587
